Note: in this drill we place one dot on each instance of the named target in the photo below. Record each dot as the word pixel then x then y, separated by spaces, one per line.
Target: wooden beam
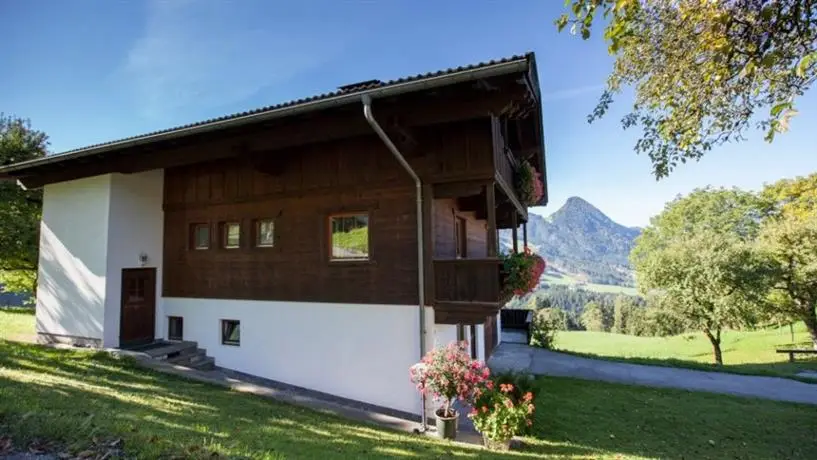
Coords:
pixel 509 192
pixel 515 226
pixel 459 189
pixel 490 206
pixel 525 236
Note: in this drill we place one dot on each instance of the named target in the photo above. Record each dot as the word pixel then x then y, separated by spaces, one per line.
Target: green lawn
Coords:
pixel 750 352
pixel 17 323
pixel 567 280
pixel 74 397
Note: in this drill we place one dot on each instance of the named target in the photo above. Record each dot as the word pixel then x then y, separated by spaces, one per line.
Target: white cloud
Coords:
pixel 196 55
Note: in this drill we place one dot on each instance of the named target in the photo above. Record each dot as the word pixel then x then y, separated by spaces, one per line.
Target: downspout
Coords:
pixel 367 113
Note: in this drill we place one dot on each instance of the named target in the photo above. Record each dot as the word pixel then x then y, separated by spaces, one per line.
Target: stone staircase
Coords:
pixel 186 354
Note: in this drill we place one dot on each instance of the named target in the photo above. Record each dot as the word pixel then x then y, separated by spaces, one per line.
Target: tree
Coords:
pixel 698 256
pixel 789 239
pixel 20 210
pixel 622 312
pixel 704 72
pixel 597 317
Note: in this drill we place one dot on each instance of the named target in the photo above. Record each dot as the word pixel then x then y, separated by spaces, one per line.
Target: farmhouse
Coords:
pixel 324 242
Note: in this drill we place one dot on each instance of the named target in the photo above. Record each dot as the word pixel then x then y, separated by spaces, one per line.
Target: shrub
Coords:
pixel 503 406
pixel 545 324
pixel 521 272
pixel 449 373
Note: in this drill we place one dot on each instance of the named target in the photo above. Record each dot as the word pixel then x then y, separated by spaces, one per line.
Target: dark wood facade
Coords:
pixel 299 191
pixel 301 187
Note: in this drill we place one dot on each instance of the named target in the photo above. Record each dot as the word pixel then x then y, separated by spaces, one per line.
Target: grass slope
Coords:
pixel 750 352
pixel 73 397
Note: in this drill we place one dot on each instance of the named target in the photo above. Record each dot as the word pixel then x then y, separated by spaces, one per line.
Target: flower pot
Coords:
pixel 447 426
pixel 492 444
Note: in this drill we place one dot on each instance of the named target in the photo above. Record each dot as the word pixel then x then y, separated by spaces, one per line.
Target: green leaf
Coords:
pixel 561 22
pixel 776 110
pixel 804 64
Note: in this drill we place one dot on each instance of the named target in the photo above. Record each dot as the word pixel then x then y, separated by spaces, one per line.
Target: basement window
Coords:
pixel 200 236
pixel 175 328
pixel 349 236
pixel 230 332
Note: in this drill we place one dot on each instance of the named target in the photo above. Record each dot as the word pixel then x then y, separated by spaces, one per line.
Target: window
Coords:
pixel 201 236
pixel 264 233
pixel 349 236
pixel 232 235
pixel 230 332
pixel 175 328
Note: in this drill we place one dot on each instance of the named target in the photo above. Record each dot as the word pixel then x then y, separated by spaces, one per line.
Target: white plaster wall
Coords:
pixel 361 352
pixel 447 333
pixel 73 256
pixel 480 342
pixel 136 226
pixel 499 327
pixel 444 334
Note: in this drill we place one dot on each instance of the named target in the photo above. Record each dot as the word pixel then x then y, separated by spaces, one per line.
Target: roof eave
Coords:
pixel 521 64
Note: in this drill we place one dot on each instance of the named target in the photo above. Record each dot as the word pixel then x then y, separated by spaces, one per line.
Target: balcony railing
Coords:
pixel 466 291
pixel 504 161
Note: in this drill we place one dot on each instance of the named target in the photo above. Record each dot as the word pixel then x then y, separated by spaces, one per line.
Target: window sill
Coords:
pixel 350 262
pixel 231 344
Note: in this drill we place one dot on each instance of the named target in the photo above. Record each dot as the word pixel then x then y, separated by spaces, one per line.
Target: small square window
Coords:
pixel 232 235
pixel 201 236
pixel 264 233
pixel 230 332
pixel 349 236
pixel 175 328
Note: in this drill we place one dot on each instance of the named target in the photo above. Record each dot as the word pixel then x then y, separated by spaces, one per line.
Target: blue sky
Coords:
pixel 91 71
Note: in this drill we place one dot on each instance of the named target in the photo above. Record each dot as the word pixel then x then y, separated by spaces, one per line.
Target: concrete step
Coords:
pixel 188 358
pixel 172 350
pixel 207 364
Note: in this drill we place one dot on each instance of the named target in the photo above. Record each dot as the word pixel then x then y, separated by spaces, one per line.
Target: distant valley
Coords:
pixel 581 245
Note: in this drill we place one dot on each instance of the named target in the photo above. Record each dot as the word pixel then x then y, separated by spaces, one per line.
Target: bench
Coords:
pixel 517 319
pixel 796 351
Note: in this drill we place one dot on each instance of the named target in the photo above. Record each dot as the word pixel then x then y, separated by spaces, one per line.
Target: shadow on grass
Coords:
pixel 72 397
pixel 771 369
pixel 18 310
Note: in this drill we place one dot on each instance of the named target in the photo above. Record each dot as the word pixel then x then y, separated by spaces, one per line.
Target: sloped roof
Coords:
pixel 342 96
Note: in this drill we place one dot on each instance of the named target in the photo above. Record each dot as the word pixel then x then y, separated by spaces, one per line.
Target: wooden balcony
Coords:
pixel 505 166
pixel 466 291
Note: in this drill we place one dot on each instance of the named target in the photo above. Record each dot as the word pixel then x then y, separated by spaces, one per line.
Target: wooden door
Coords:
pixel 138 313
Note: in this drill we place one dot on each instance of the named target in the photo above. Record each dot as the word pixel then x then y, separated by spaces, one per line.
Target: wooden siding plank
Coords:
pixel 490 203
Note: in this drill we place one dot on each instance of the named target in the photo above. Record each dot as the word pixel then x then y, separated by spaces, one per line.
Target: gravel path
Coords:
pixel 519 357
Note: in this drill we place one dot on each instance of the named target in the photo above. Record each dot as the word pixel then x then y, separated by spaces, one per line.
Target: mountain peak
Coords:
pixel 576 206
pixel 579 203
pixel 579 238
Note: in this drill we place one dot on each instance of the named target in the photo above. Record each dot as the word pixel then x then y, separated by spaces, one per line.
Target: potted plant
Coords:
pixel 521 272
pixel 529 184
pixel 447 374
pixel 500 412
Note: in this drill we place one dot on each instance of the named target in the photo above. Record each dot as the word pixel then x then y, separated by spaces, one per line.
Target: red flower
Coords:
pixel 528 397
